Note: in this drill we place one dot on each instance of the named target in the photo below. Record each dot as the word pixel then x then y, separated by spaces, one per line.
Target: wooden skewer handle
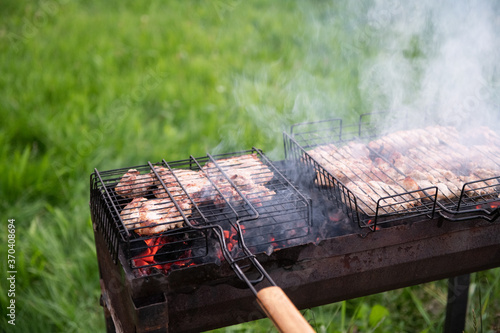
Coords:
pixel 281 311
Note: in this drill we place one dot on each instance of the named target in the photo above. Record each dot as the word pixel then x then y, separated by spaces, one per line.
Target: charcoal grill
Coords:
pixel 269 218
pixel 181 281
pixel 204 209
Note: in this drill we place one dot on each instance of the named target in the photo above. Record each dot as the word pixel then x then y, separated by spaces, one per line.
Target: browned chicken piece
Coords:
pixel 227 190
pixel 424 180
pixel 349 163
pixel 149 217
pixel 431 157
pixel 443 191
pixel 382 147
pixel 371 192
pixel 394 142
pixel 399 161
pixel 426 167
pixel 447 183
pixel 170 177
pixel 343 171
pixel 195 184
pixel 479 186
pixel 250 164
pixel 133 184
pixel 400 141
pixel 443 133
pixel 473 186
pixel 428 188
pixel 222 194
pixel 159 215
pixel 354 150
pixel 356 169
pixel 130 214
pixel 426 139
pixel 485 173
pixel 421 175
pixel 449 179
pixel 338 170
pixel 385 172
pixel 256 194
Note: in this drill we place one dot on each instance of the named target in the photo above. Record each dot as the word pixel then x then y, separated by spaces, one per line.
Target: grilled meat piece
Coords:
pixel 482 182
pixel 195 184
pixel 403 140
pixel 133 184
pixel 247 164
pixel 159 215
pixel 434 158
pixel 386 172
pixel 372 192
pixel 443 133
pixel 426 180
pixel 354 150
pixel 149 217
pixel 246 174
pixel 256 194
pixel 130 214
pixel 346 164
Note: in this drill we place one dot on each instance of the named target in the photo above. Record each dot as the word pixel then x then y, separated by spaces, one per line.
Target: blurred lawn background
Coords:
pixel 88 84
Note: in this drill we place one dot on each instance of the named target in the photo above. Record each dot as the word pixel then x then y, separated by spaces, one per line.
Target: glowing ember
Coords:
pixel 231 239
pixel 370 222
pixel 489 206
pixel 145 262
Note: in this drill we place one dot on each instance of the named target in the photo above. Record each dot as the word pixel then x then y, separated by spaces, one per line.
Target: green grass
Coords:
pixel 87 84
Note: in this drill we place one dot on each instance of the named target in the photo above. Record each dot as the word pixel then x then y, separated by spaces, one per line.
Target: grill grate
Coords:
pixel 402 174
pixel 163 213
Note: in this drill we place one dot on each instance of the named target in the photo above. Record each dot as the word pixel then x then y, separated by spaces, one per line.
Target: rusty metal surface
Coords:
pixel 336 269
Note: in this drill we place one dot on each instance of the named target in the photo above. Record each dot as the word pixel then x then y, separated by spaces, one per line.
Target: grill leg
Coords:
pixel 456 308
pixel 110 325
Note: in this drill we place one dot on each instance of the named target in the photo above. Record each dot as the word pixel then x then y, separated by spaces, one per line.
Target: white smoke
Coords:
pixel 435 58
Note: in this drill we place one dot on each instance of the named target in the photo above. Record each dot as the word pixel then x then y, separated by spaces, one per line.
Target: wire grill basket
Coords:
pixel 401 174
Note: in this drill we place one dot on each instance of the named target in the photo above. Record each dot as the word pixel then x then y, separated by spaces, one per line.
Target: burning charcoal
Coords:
pixel 137 245
pixel 172 251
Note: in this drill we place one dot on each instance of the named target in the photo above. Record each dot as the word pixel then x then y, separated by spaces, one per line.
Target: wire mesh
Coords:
pixel 401 174
pixel 165 214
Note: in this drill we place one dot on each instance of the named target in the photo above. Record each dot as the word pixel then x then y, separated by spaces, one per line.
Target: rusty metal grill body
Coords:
pixel 470 201
pixel 349 265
